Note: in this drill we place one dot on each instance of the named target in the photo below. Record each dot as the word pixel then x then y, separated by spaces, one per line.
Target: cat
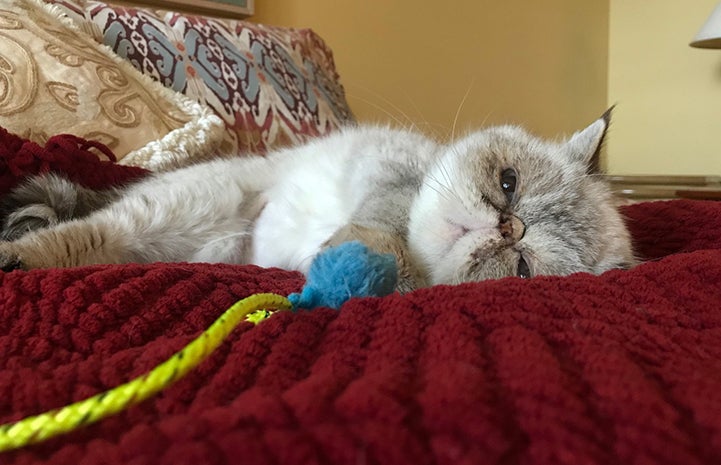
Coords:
pixel 496 202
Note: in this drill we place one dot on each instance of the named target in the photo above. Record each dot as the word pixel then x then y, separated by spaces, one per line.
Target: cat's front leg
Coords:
pixel 9 258
pixel 15 256
pixel 410 276
pixel 66 245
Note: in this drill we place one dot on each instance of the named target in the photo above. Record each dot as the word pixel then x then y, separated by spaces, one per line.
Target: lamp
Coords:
pixel 710 34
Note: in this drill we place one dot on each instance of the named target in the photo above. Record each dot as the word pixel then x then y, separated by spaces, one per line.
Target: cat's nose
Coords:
pixel 512 228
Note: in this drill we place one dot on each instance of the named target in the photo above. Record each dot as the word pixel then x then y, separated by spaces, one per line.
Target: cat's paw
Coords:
pixel 9 259
pixel 410 276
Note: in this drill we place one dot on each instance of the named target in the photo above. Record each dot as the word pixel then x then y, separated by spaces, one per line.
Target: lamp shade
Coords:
pixel 710 34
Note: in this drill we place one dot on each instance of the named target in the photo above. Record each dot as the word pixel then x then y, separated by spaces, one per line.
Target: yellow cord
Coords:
pixel 38 428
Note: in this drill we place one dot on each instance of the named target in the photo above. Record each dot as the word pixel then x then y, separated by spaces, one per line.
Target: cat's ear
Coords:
pixel 585 146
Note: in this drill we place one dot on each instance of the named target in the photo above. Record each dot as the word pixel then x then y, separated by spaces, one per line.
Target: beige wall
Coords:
pixel 542 64
pixel 552 67
pixel 668 119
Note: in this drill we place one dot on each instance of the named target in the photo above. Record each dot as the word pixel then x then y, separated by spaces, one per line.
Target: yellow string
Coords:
pixel 38 428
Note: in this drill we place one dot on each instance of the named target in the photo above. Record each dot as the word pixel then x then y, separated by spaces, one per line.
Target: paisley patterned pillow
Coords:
pixel 271 86
pixel 56 79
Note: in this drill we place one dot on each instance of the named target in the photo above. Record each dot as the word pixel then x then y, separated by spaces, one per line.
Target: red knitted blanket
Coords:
pixel 623 368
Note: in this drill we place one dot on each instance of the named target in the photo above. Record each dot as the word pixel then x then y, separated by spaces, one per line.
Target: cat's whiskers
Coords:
pixel 438 187
pixel 462 200
pixel 425 123
pixel 410 122
pixel 442 189
pixel 446 175
pixel 458 111
pixel 451 185
pixel 395 118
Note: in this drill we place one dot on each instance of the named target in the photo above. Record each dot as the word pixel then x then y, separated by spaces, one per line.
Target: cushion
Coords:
pixel 57 79
pixel 271 86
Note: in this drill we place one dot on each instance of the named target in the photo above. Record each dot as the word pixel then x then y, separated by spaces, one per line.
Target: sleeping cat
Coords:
pixel 497 202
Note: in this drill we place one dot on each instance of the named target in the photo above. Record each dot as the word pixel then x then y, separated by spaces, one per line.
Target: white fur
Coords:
pixel 446 225
pixel 305 194
pixel 317 188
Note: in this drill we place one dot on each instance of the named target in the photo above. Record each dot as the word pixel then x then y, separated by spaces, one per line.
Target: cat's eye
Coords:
pixel 523 270
pixel 509 178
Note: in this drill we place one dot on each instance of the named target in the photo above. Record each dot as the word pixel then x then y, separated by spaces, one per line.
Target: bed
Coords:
pixel 622 368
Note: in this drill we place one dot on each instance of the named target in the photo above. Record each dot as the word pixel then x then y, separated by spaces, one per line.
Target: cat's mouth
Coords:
pixel 460 231
pixel 457 231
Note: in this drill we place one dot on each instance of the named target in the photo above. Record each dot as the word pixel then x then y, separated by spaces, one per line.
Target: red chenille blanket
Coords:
pixel 623 368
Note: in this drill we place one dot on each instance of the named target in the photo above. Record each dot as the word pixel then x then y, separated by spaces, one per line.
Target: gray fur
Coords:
pixel 46 200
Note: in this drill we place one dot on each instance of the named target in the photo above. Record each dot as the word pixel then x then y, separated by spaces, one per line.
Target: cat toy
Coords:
pixel 336 275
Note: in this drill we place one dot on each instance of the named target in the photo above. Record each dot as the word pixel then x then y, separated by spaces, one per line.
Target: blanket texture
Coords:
pixel 623 368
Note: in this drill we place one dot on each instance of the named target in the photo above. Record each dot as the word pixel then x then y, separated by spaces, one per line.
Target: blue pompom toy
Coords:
pixel 348 270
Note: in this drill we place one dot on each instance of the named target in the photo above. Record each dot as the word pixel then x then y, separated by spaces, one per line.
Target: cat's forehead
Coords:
pixel 481 157
pixel 490 151
pixel 498 136
pixel 506 144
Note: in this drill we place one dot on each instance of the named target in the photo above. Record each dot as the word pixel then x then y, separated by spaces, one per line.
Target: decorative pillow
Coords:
pixel 272 86
pixel 56 79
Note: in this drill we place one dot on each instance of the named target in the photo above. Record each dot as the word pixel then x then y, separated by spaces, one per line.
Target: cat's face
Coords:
pixel 501 202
